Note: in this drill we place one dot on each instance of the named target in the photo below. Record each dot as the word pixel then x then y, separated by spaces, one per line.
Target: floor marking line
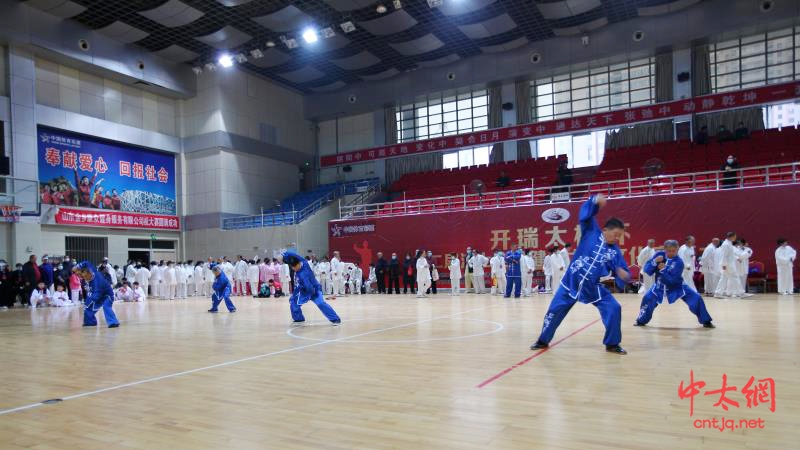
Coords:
pixel 535 355
pixel 237 361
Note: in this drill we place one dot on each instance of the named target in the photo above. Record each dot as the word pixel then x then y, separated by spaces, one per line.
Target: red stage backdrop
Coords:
pixel 759 215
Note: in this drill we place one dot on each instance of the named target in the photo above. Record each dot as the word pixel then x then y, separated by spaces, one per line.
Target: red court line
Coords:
pixel 530 358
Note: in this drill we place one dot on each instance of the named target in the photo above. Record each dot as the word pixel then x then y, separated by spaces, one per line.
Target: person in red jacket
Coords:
pixel 116 202
pixel 84 188
pixel 47 197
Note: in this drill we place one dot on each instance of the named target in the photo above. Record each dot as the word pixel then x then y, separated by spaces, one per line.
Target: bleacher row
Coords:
pixel 763 148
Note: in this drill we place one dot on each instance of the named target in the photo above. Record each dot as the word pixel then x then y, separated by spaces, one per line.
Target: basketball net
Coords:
pixel 11 213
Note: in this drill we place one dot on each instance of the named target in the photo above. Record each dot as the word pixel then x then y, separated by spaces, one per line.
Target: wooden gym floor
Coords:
pixel 400 373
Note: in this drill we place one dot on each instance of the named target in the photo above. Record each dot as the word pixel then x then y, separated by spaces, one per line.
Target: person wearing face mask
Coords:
pixel 394 275
pixel 47 274
pixel 730 170
pixel 380 270
pixel 513 272
pixel 409 273
pixel 7 294
pixel 468 271
pixel 597 255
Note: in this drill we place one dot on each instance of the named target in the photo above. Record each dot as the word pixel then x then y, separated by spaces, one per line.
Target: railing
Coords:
pixel 361 199
pixel 293 216
pixel 748 177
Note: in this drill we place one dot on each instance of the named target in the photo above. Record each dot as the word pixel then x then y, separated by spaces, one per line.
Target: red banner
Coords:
pixel 115 219
pixel 703 215
pixel 621 117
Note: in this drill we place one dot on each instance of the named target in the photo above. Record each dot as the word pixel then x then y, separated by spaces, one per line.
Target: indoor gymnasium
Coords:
pixel 397 224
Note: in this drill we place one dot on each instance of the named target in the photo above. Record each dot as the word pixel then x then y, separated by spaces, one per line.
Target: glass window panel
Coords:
pixel 599 90
pixel 561 86
pixel 600 102
pixel 728 67
pixel 465 104
pixel 544 100
pixel 641 71
pixel 450 160
pixel 753 75
pixel 563 108
pixel 480 100
pixel 783 70
pixel 780 43
pixel 752 40
pixel 435 130
pixel 780 57
pixel 580 106
pixel 481 155
pixel 619 87
pixel 465 125
pixel 480 111
pixel 640 95
pixel 545 147
pixel 753 62
pixel 448 106
pixel 562 77
pixel 450 116
pixel 544 111
pixel 778 33
pixel 618 75
pixel 727 54
pixel 422 121
pixel 620 99
pixel 581 82
pixel 752 49
pixel 600 78
pixel 562 97
pixel 563 145
pixel 480 123
pixel 578 94
pixel 727 80
pixel 543 89
pixel 422 132
pixel 435 109
pixel 435 119
pixel 640 83
pixel 465 158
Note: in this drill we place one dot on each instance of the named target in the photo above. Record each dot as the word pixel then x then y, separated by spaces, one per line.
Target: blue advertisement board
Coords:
pixel 82 171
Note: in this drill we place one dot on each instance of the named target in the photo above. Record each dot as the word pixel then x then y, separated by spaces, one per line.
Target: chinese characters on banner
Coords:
pixel 86 172
pixel 115 219
pixel 659 111
pixel 704 215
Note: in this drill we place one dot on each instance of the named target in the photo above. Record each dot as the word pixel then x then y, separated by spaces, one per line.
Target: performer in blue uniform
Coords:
pixel 597 255
pixel 668 270
pixel 513 273
pixel 221 290
pixel 306 287
pixel 99 294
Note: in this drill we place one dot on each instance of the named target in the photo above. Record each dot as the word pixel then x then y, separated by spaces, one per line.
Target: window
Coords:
pixel 756 60
pixel 597 89
pixel 783 115
pixel 439 115
pixel 467 157
pixel 582 150
pixel 92 249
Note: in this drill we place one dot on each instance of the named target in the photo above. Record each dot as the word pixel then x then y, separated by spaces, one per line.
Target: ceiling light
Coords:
pixel 197 70
pixel 348 27
pixel 270 44
pixel 397 4
pixel 256 53
pixel 225 60
pixel 381 9
pixel 435 3
pixel 310 35
pixel 240 58
pixel 211 67
pixel 328 32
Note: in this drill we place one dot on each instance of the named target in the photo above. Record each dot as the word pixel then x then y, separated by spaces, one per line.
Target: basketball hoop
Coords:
pixel 11 213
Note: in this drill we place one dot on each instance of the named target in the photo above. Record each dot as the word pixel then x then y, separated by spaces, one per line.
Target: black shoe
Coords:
pixel 616 349
pixel 232 311
pixel 708 325
pixel 637 324
pixel 213 310
pixel 89 325
pixel 116 325
pixel 538 345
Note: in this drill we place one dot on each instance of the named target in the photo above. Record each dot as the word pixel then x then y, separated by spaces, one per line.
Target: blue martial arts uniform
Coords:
pixel 99 294
pixel 593 259
pixel 46 270
pixel 513 273
pixel 306 287
pixel 669 281
pixel 221 291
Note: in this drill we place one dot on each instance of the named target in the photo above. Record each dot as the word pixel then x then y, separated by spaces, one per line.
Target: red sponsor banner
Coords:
pixel 115 219
pixel 703 215
pixel 621 117
pixel 349 229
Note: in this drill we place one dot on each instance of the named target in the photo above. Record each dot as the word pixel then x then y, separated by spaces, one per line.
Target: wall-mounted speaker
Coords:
pixel 508 106
pixel 683 77
pixel 347 169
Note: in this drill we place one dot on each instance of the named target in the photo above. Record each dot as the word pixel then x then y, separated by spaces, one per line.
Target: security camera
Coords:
pixel 140 65
pixel 451 76
pixel 536 58
pixel 766 5
pixel 638 35
pixel 83 44
pixel 352 98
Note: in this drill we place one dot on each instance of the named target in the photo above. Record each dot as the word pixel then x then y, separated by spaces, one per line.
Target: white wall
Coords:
pixel 312 234
pixel 354 133
pixel 69 89
pixel 243 104
pixel 5 242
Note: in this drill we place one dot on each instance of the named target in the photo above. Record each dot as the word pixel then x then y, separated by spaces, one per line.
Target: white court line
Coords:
pixel 237 361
